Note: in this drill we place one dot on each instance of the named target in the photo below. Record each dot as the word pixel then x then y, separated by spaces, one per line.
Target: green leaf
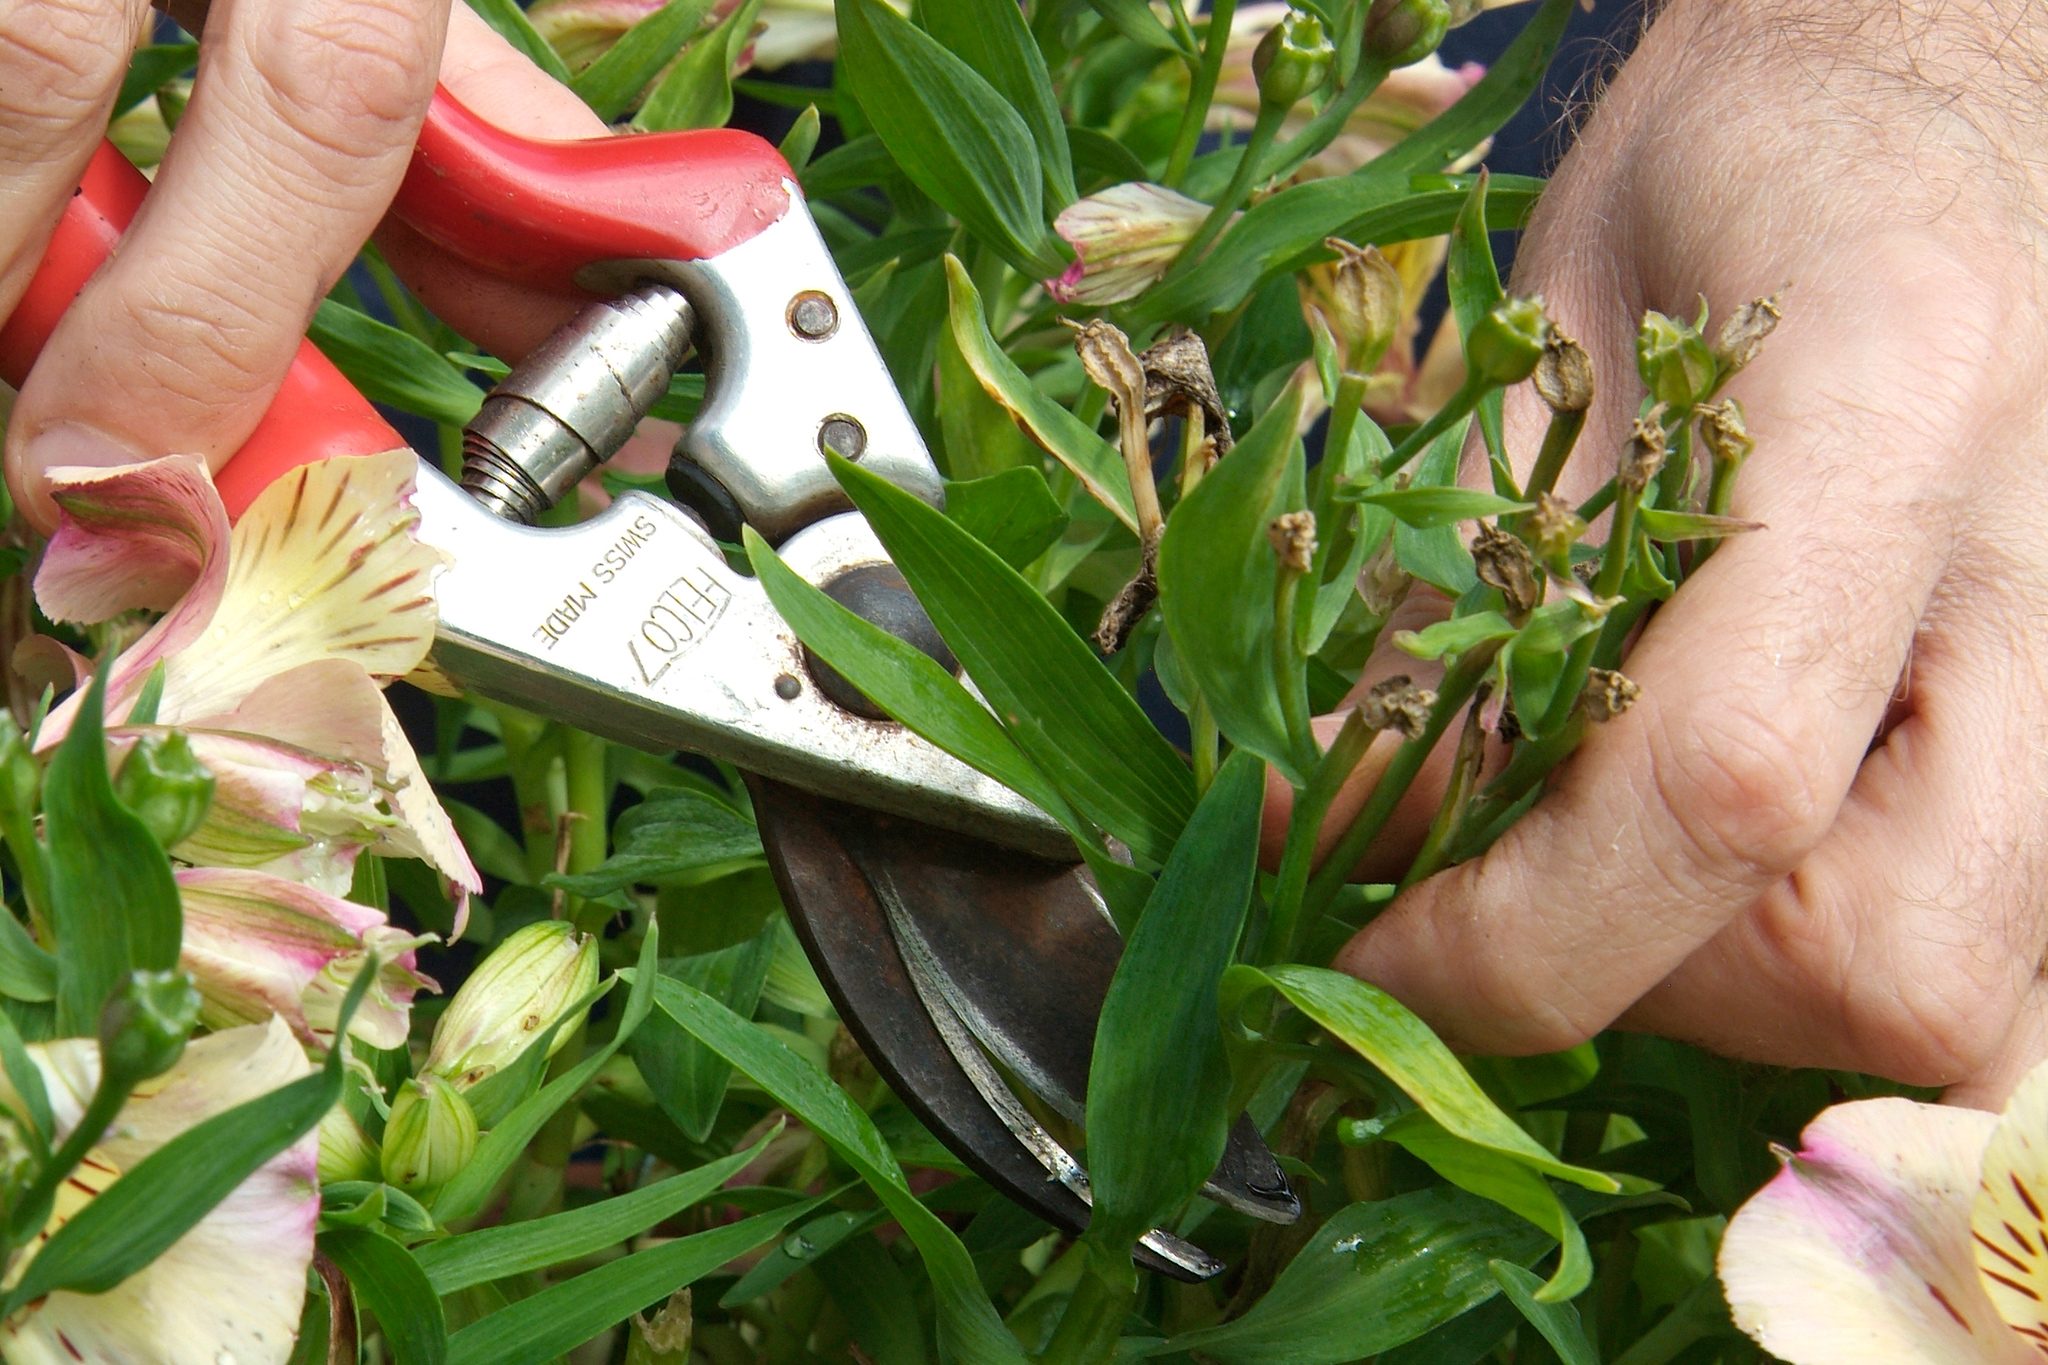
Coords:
pixel 1454 636
pixel 1158 1049
pixel 1473 282
pixel 674 831
pixel 1065 437
pixel 610 84
pixel 27 971
pixel 389 1282
pixel 563 1316
pixel 801 139
pixel 992 37
pixel 508 17
pixel 952 133
pixel 697 91
pixel 1136 21
pixel 26 1079
pixel 149 69
pixel 1217 578
pixel 898 677
pixel 968 1326
pixel 1096 744
pixel 1556 1323
pixel 687 1078
pixel 1508 1183
pixel 515 1248
pixel 465 1195
pixel 393 367
pixel 1380 1029
pixel 1438 556
pixel 1374 1276
pixel 1427 508
pixel 812 1240
pixel 1664 524
pixel 114 908
pixel 1013 513
pixel 1509 82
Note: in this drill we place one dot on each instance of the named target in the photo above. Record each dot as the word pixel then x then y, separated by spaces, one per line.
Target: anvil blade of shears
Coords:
pixel 942 911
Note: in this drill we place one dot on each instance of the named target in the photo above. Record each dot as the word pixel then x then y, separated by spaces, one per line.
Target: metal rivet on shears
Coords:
pixel 813 316
pixel 787 687
pixel 843 436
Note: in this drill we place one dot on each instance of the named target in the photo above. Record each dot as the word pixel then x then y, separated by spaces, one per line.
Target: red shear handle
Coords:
pixel 316 414
pixel 533 212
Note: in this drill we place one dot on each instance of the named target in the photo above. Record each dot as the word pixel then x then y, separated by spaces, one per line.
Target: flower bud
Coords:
pixel 1358 296
pixel 430 1136
pixel 1724 433
pixel 143 1026
pixel 1123 238
pixel 1292 61
pixel 20 779
pixel 1507 344
pixel 346 1152
pixel 166 786
pixel 1564 377
pixel 1400 32
pixel 536 976
pixel 1673 359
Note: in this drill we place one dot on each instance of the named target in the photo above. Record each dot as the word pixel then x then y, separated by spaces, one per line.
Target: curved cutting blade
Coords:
pixel 954 961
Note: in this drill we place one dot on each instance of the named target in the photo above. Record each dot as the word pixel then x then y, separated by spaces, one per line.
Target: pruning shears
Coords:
pixel 960 941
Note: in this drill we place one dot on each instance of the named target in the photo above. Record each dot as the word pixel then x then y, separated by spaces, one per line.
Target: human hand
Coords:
pixel 1817 838
pixel 300 127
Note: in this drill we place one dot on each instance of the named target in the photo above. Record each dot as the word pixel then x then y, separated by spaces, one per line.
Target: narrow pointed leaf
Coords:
pixel 393 366
pixel 388 1281
pixel 1556 1323
pixel 689 1079
pixel 1427 508
pixel 992 37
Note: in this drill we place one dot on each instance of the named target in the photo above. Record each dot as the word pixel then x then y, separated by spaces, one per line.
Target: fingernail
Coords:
pixel 75 444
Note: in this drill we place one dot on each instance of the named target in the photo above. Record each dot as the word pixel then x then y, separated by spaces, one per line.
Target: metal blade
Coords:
pixel 952 961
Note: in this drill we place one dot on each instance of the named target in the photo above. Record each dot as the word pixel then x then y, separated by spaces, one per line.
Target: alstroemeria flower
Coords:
pixel 229 1289
pixel 1901 1234
pixel 1124 238
pixel 785 31
pixel 258 945
pixel 281 629
pixel 1404 101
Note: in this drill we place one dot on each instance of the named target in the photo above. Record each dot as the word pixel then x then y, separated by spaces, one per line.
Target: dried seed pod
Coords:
pixel 1397 704
pixel 1107 357
pixel 1293 537
pixel 1564 377
pixel 1180 380
pixel 1554 526
pixel 1724 432
pixel 1358 296
pixel 1742 336
pixel 1608 693
pixel 1382 582
pixel 1502 561
pixel 1644 454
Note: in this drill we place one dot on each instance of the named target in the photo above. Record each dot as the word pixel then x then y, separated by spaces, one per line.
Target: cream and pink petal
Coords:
pixel 2009 1219
pixel 1859 1249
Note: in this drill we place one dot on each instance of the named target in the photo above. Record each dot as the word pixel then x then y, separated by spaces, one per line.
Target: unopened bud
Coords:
pixel 1643 456
pixel 1358 296
pixel 143 1026
pixel 1608 694
pixel 535 977
pixel 1293 537
pixel 1403 32
pixel 1724 433
pixel 1502 561
pixel 1742 336
pixel 1506 344
pixel 430 1136
pixel 1292 61
pixel 166 786
pixel 1397 704
pixel 346 1152
pixel 1564 377
pixel 1554 526
pixel 1673 360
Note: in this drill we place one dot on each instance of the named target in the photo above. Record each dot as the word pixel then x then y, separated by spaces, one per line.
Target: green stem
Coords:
pixel 1372 817
pixel 1095 1313
pixel 1613 567
pixel 1328 121
pixel 1434 854
pixel 589 808
pixel 1304 828
pixel 1264 128
pixel 1457 410
pixel 1592 507
pixel 1558 439
pixel 528 756
pixel 1204 740
pixel 1290 665
pixel 1201 92
pixel 34 1209
pixel 1345 408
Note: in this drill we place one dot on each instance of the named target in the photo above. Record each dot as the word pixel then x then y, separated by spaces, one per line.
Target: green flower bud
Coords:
pixel 1403 32
pixel 1358 296
pixel 1507 343
pixel 19 776
pixel 431 1135
pixel 143 1026
pixel 1673 358
pixel 1292 61
pixel 346 1152
pixel 164 784
pixel 526 983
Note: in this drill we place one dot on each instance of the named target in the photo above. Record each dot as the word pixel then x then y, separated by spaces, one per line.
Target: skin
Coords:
pixel 1816 838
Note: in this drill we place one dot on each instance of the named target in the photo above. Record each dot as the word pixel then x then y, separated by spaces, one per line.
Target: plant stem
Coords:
pixel 1304 830
pixel 1434 854
pixel 1201 92
pixel 1456 410
pixel 528 756
pixel 1264 128
pixel 1328 121
pixel 1558 439
pixel 1204 740
pixel 1458 686
pixel 1290 665
pixel 1613 567
pixel 1592 507
pixel 588 810
pixel 1096 1310
pixel 34 1209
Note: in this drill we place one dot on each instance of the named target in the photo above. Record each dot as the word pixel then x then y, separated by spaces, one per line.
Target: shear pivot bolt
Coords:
pixel 842 436
pixel 813 316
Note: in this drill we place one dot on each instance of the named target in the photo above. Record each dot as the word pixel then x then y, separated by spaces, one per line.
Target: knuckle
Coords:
pixel 59 63
pixel 351 76
pixel 1741 793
